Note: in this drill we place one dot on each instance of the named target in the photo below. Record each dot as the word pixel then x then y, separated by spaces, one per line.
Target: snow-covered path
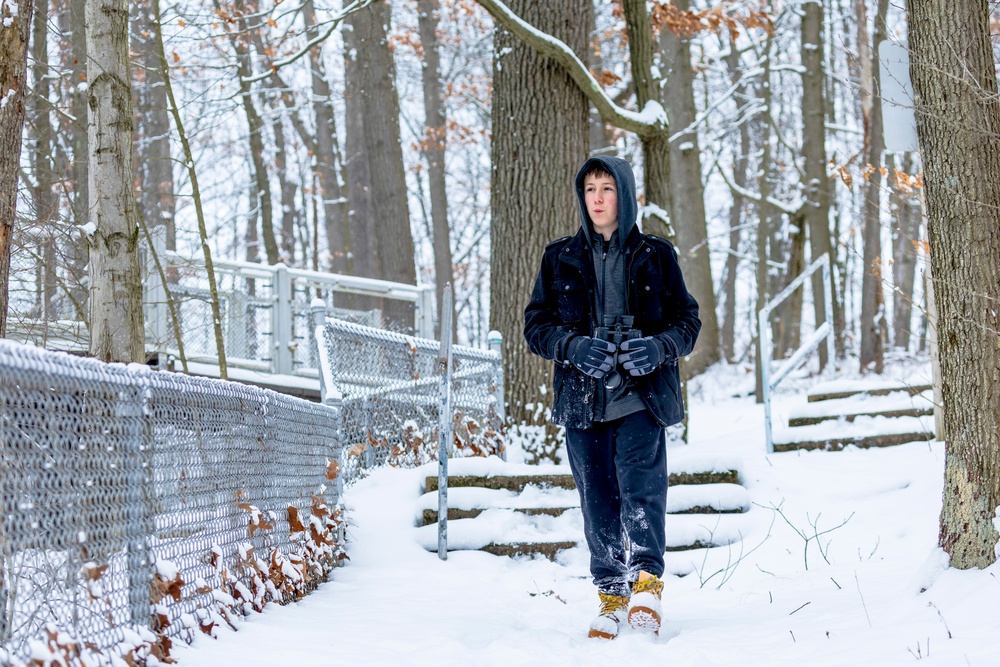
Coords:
pixel 396 604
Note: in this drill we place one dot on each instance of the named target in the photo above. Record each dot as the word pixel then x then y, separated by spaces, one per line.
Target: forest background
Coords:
pixel 433 142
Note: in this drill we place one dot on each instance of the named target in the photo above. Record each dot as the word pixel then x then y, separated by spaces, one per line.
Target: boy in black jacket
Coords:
pixel 610 307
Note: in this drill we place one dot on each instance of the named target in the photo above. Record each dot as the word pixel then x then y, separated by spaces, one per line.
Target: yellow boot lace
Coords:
pixel 612 603
pixel 651 584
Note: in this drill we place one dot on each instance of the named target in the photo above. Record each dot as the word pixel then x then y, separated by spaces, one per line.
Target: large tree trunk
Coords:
pixel 872 295
pixel 286 246
pixel 389 200
pixel 116 325
pixel 904 254
pixel 817 189
pixel 13 72
pixel 357 170
pixel 533 200
pixel 434 148
pixel 958 113
pixel 74 61
pixel 688 211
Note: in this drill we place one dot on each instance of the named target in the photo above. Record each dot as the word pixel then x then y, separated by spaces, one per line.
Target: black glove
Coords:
pixel 641 355
pixel 591 355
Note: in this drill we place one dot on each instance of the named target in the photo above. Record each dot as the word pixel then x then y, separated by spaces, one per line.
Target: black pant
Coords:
pixel 620 468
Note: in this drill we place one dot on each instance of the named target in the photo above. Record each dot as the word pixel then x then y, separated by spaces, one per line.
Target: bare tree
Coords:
pixel 434 145
pixel 15 25
pixel 116 320
pixel 906 208
pixel 958 116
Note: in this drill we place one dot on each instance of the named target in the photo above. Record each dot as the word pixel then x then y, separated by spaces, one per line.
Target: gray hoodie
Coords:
pixel 609 269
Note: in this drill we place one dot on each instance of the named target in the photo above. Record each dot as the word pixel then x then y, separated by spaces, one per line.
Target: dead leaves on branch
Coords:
pixel 731 16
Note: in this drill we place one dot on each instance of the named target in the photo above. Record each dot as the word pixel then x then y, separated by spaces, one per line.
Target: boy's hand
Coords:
pixel 591 355
pixel 642 355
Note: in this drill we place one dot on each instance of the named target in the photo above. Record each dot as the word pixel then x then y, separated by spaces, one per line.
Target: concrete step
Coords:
pixel 548 549
pixel 454 513
pixel 565 481
pixel 864 431
pixel 834 390
pixel 909 412
pixel 836 444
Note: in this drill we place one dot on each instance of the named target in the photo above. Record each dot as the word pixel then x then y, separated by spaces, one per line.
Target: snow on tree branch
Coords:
pixel 652 120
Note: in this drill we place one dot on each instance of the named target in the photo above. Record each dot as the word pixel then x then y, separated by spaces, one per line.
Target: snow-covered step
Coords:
pixel 707 499
pixel 825 391
pixel 864 431
pixel 518 482
pixel 895 404
pixel 699 531
pixel 498 526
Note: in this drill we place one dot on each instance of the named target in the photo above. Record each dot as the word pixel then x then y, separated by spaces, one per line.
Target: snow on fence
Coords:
pixel 136 506
pixel 385 384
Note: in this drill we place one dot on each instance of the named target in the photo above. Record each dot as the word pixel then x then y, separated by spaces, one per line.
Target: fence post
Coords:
pixel 424 315
pixel 444 422
pixel 281 328
pixel 155 294
pixel 330 393
pixel 495 340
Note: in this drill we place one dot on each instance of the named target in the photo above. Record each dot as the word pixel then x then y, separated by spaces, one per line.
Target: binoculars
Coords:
pixel 616 330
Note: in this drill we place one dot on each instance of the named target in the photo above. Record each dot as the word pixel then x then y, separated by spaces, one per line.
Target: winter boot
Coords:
pixel 614 609
pixel 644 610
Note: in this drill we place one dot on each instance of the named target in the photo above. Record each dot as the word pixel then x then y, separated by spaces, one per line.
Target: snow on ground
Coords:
pixel 838 565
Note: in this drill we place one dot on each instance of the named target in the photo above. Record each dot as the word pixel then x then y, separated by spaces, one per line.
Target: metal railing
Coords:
pixel 823 331
pixel 386 385
pixel 137 505
pixel 265 311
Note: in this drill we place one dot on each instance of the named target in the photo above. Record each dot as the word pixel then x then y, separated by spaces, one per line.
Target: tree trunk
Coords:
pixel 789 320
pixel 342 250
pixel 765 213
pixel 13 73
pixel 75 62
pixel 872 295
pixel 533 200
pixel 155 167
pixel 244 70
pixel 688 211
pixel 116 324
pixel 434 149
pixel 904 253
pixel 740 165
pixel 357 169
pixel 389 199
pixel 817 191
pixel 288 188
pixel 43 197
pixel 958 113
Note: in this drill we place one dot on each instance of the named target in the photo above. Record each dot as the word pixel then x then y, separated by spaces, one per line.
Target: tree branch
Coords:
pixel 651 121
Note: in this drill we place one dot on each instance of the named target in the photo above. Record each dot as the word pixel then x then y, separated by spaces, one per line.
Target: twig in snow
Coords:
pixel 797 609
pixel 858 584
pixel 947 629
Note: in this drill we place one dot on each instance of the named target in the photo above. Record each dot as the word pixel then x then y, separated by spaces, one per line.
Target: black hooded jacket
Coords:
pixel 562 307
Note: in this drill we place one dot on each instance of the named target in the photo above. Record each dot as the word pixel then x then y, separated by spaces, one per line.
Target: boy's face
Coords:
pixel 601 197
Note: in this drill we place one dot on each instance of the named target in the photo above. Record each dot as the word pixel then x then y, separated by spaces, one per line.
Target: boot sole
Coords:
pixel 644 618
pixel 597 634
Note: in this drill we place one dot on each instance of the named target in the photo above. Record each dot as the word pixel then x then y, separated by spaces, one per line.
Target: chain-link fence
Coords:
pixel 389 389
pixel 139 505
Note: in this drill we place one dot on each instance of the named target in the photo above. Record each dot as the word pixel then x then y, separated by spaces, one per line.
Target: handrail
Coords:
pixel 765 343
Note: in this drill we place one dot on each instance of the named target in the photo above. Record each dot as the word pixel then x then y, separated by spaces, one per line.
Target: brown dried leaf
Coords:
pixel 94 572
pixel 332 470
pixel 294 521
pixel 357 450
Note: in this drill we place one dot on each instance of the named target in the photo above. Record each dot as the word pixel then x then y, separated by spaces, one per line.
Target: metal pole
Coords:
pixel 281 330
pixel 444 422
pixel 828 300
pixel 764 338
pixel 495 340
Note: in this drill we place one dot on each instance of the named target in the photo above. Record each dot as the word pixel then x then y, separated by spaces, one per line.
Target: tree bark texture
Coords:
pixel 435 143
pixel 688 211
pixel 540 140
pixel 116 320
pixel 286 246
pixel 13 73
pixel 765 213
pixel 871 354
pixel 817 189
pixel 789 313
pixel 390 212
pixel 958 117
pixel 75 62
pixel 904 254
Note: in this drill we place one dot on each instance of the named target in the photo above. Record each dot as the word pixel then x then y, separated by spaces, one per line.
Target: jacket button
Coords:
pixel 647 288
pixel 649 249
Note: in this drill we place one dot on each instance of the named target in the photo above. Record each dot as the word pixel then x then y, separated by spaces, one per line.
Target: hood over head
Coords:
pixel 628 208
